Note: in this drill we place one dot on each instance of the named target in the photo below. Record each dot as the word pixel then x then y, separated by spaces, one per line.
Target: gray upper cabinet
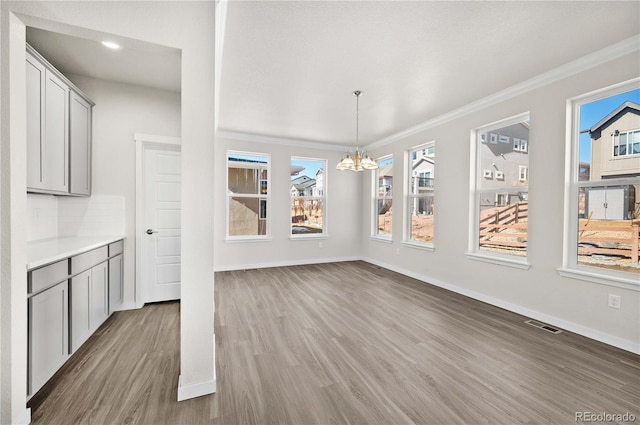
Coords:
pixel 35 119
pixel 80 145
pixel 58 131
pixel 55 152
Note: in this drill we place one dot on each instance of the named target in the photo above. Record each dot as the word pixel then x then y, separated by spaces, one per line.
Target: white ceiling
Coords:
pixel 289 67
pixel 137 62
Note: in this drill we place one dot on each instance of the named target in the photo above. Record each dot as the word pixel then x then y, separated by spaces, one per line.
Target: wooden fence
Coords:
pixel 506 227
pixel 601 243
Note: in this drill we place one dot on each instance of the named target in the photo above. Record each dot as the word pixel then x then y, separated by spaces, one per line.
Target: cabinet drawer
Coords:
pixel 43 277
pixel 115 248
pixel 85 261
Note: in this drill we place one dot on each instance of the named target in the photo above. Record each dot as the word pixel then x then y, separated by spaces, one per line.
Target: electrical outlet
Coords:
pixel 614 301
pixel 398 251
pixel 320 244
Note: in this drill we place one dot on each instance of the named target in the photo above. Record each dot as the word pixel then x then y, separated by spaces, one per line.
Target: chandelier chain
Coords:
pixel 357 117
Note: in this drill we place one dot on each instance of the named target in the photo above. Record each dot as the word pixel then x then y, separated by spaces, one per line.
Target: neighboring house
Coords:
pixel 584 171
pixel 504 165
pixel 615 143
pixel 318 189
pixel 247 215
pixel 304 211
pixel 615 153
pixel 385 179
pixel 303 186
pixel 422 182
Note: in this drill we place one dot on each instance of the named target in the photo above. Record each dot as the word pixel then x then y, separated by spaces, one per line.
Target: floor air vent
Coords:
pixel 543 326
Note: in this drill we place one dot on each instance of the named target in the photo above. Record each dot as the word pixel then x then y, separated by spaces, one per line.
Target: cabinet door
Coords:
pixel 99 308
pixel 80 145
pixel 48 334
pixel 80 301
pixel 35 118
pixel 116 284
pixel 55 152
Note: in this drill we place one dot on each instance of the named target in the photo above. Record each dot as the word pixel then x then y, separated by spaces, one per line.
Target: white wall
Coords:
pixel 576 305
pixel 111 208
pixel 42 217
pixel 188 26
pixel 121 110
pixel 342 212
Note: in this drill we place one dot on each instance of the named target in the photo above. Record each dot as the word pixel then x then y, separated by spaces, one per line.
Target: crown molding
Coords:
pixel 258 138
pixel 617 50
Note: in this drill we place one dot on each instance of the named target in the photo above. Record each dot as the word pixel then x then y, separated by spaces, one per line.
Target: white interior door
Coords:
pixel 160 230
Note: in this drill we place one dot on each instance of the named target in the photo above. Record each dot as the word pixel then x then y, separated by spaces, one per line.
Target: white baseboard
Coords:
pixel 552 320
pixel 127 306
pixel 23 418
pixel 186 392
pixel 284 263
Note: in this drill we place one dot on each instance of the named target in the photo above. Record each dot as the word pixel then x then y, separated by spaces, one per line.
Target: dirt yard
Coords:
pixel 422 230
pixel 421 226
pixel 606 234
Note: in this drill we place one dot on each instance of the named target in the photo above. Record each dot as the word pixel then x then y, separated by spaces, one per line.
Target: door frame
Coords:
pixel 145 142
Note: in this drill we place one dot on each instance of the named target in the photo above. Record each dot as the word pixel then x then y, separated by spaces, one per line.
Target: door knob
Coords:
pixel 151 231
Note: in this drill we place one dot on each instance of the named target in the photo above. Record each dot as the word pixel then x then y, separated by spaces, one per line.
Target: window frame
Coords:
pixel 375 232
pixel 323 198
pixel 261 199
pixel 408 197
pixel 477 174
pixel 570 266
pixel 628 144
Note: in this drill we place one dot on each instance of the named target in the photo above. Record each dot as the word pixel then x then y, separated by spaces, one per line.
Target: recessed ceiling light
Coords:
pixel 111 45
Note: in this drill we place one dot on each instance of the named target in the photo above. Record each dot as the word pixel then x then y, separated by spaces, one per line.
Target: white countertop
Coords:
pixel 46 251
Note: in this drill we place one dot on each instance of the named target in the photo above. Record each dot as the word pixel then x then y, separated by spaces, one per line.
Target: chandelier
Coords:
pixel 358 160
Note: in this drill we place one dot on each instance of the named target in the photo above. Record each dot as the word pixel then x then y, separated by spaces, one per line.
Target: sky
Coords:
pixel 310 167
pixel 591 113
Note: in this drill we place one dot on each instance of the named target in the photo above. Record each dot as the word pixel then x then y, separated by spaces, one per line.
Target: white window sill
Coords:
pixel 501 261
pixel 248 239
pixel 602 278
pixel 308 237
pixel 381 239
pixel 418 245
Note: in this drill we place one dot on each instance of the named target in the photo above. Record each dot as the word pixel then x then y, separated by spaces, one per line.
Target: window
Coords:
pixel 248 195
pixel 523 174
pixel 603 190
pixel 500 202
pixel 420 199
pixel 308 197
pixel 626 143
pixel 383 198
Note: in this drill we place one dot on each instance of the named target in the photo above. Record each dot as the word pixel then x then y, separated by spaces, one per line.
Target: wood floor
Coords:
pixel 342 343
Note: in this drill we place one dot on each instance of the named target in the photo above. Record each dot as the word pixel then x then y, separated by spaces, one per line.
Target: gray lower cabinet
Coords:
pixel 68 300
pixel 89 303
pixel 48 334
pixel 116 283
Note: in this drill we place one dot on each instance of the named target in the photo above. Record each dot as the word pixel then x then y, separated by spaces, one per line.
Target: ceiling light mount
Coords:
pixel 359 160
pixel 111 45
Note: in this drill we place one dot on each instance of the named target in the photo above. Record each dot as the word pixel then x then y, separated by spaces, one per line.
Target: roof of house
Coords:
pixel 303 182
pixel 386 171
pixel 296 169
pixel 628 104
pixel 421 160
